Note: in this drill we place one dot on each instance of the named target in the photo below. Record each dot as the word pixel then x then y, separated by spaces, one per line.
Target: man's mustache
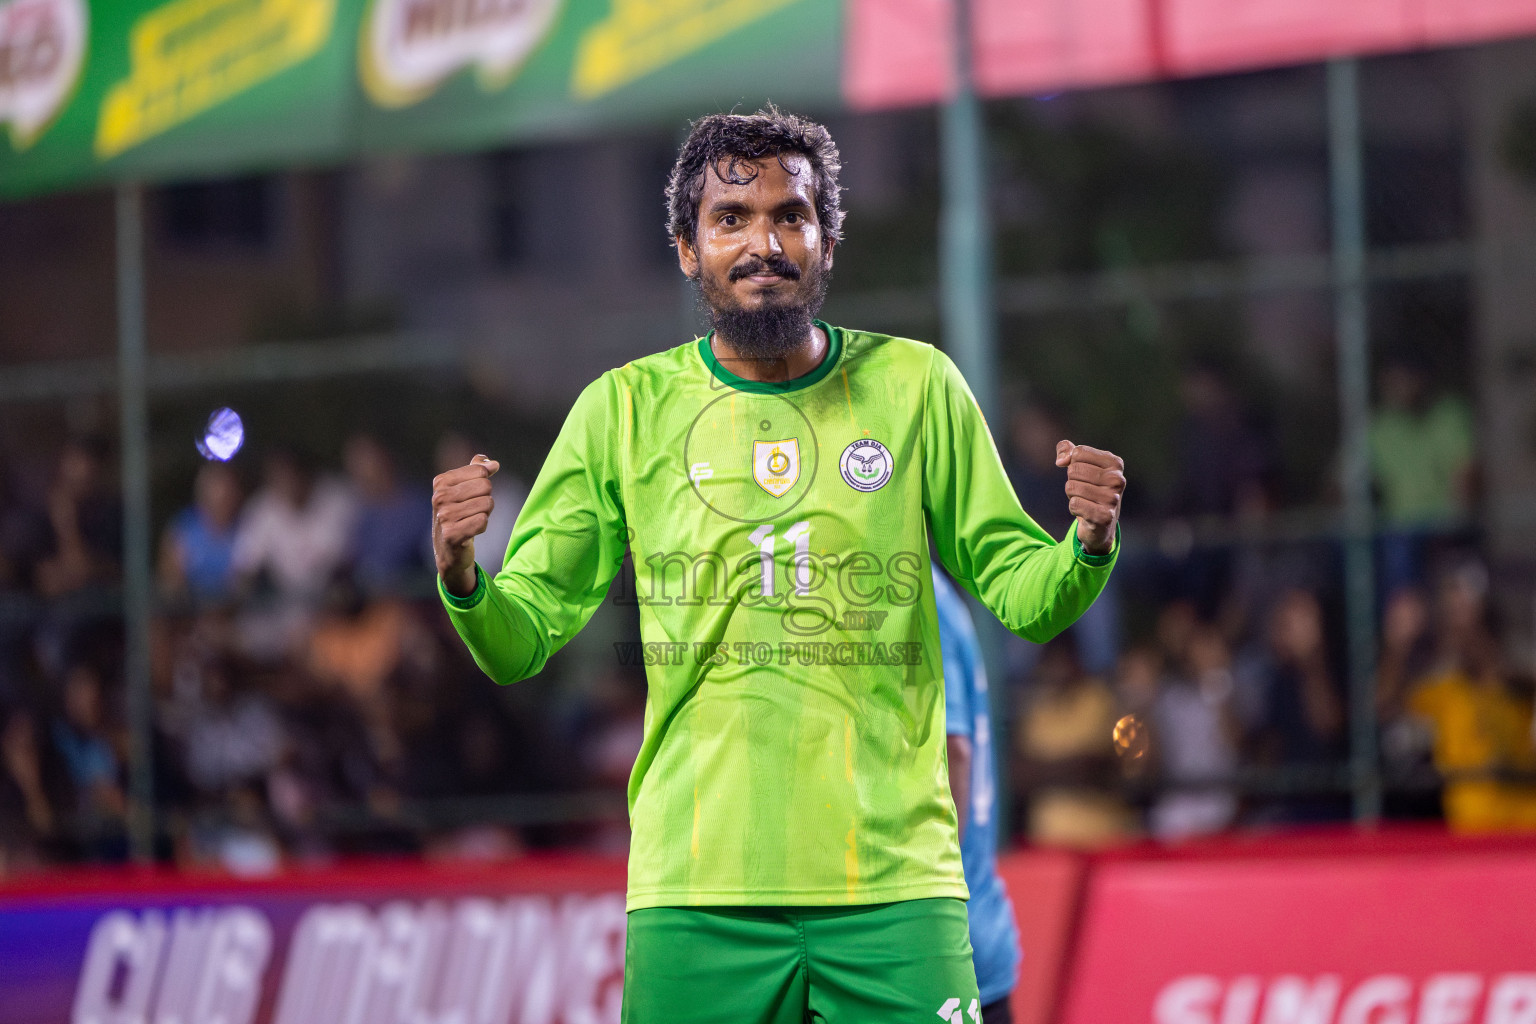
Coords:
pixel 779 265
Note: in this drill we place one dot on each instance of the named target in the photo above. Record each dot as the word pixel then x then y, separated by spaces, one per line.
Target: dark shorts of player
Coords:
pixel 906 961
pixel 1000 1012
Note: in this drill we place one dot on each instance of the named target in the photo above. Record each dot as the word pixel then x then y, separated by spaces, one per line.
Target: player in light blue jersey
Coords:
pixel 994 932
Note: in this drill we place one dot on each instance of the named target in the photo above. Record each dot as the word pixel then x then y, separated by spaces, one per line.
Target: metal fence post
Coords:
pixel 969 320
pixel 137 596
pixel 1352 325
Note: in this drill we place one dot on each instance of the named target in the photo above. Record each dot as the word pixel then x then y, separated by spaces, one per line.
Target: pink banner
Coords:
pixel 1445 934
pixel 898 51
pixel 1046 888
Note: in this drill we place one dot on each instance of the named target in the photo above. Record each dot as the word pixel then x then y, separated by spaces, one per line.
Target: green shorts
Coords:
pixel 887 962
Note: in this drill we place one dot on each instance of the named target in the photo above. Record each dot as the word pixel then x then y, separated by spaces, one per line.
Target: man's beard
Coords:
pixel 770 332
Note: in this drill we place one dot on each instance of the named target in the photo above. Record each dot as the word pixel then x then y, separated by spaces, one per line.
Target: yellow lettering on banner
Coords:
pixel 640 36
pixel 190 55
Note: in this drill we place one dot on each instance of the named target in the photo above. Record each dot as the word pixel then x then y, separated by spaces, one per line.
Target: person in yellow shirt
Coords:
pixel 1482 730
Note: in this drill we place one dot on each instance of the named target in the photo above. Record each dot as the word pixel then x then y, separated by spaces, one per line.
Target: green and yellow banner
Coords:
pixel 99 90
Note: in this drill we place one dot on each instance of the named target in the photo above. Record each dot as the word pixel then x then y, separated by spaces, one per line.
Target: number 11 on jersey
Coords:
pixel 800 536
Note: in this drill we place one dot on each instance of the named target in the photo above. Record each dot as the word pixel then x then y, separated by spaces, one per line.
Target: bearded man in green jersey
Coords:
pixel 778 483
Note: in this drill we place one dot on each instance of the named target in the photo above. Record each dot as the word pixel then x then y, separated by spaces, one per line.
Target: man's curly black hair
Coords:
pixel 725 141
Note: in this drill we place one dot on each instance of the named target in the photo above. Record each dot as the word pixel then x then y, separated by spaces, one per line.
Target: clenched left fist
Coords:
pixel 1095 485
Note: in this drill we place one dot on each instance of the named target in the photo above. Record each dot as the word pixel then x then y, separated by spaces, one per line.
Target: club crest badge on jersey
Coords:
pixel 776 465
pixel 866 465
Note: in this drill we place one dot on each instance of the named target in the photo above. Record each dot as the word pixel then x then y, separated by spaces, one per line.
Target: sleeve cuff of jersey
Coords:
pixel 464 604
pixel 1097 561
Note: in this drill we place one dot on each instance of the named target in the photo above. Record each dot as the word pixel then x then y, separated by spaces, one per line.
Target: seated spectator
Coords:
pixel 294 537
pixel 241 838
pixel 85 523
pixel 232 735
pixel 27 817
pixel 1067 767
pixel 90 750
pixel 393 533
pixel 23 538
pixel 1195 740
pixel 357 645
pixel 1481 728
pixel 1406 656
pixel 197 551
pixel 1300 711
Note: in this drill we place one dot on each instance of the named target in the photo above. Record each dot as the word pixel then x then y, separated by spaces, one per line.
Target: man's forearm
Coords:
pixel 500 630
pixel 960 775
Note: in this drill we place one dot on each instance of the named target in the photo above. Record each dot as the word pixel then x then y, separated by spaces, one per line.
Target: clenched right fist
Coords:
pixel 461 509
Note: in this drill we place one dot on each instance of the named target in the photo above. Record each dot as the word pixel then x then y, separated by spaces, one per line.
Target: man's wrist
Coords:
pixel 1097 550
pixel 462 583
pixel 1091 558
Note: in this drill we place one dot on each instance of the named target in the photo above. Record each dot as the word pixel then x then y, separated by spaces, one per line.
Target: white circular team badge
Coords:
pixel 866 465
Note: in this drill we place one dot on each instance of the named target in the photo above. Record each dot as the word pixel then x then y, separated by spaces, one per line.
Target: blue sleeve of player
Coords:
pixel 957 690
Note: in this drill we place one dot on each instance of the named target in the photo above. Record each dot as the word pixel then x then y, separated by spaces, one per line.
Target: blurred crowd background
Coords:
pixel 1163 292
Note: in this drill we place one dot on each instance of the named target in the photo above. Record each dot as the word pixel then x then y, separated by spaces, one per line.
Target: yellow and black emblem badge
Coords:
pixel 776 465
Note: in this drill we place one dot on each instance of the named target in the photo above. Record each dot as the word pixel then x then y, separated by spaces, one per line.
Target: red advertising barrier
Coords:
pixel 1411 929
pixel 898 51
pixel 1046 886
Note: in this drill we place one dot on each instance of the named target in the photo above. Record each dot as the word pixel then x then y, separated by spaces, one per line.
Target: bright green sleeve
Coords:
pixel 1036 586
pixel 565 549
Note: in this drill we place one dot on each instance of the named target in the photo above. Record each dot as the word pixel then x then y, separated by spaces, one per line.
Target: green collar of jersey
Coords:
pixel 765 387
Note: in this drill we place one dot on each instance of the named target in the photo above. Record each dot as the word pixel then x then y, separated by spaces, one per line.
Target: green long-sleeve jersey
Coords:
pixel 793 748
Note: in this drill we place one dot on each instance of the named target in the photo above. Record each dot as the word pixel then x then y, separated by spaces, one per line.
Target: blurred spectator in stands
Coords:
pixel 90 748
pixel 356 644
pixel 1033 432
pixel 614 730
pixel 23 536
pixel 392 538
pixel 1066 767
pixel 355 648
pixel 460 741
pixel 233 736
pixel 1195 737
pixel 1423 460
pixel 1138 676
pixel 1263 568
pixel 1300 724
pixel 230 739
pixel 1222 457
pixel 1482 729
pixel 239 837
pixel 292 540
pixel 27 818
pixel 327 762
pixel 1221 461
pixel 85 523
pixel 1405 655
pixel 196 552
pixel 611 742
pixel 507 491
